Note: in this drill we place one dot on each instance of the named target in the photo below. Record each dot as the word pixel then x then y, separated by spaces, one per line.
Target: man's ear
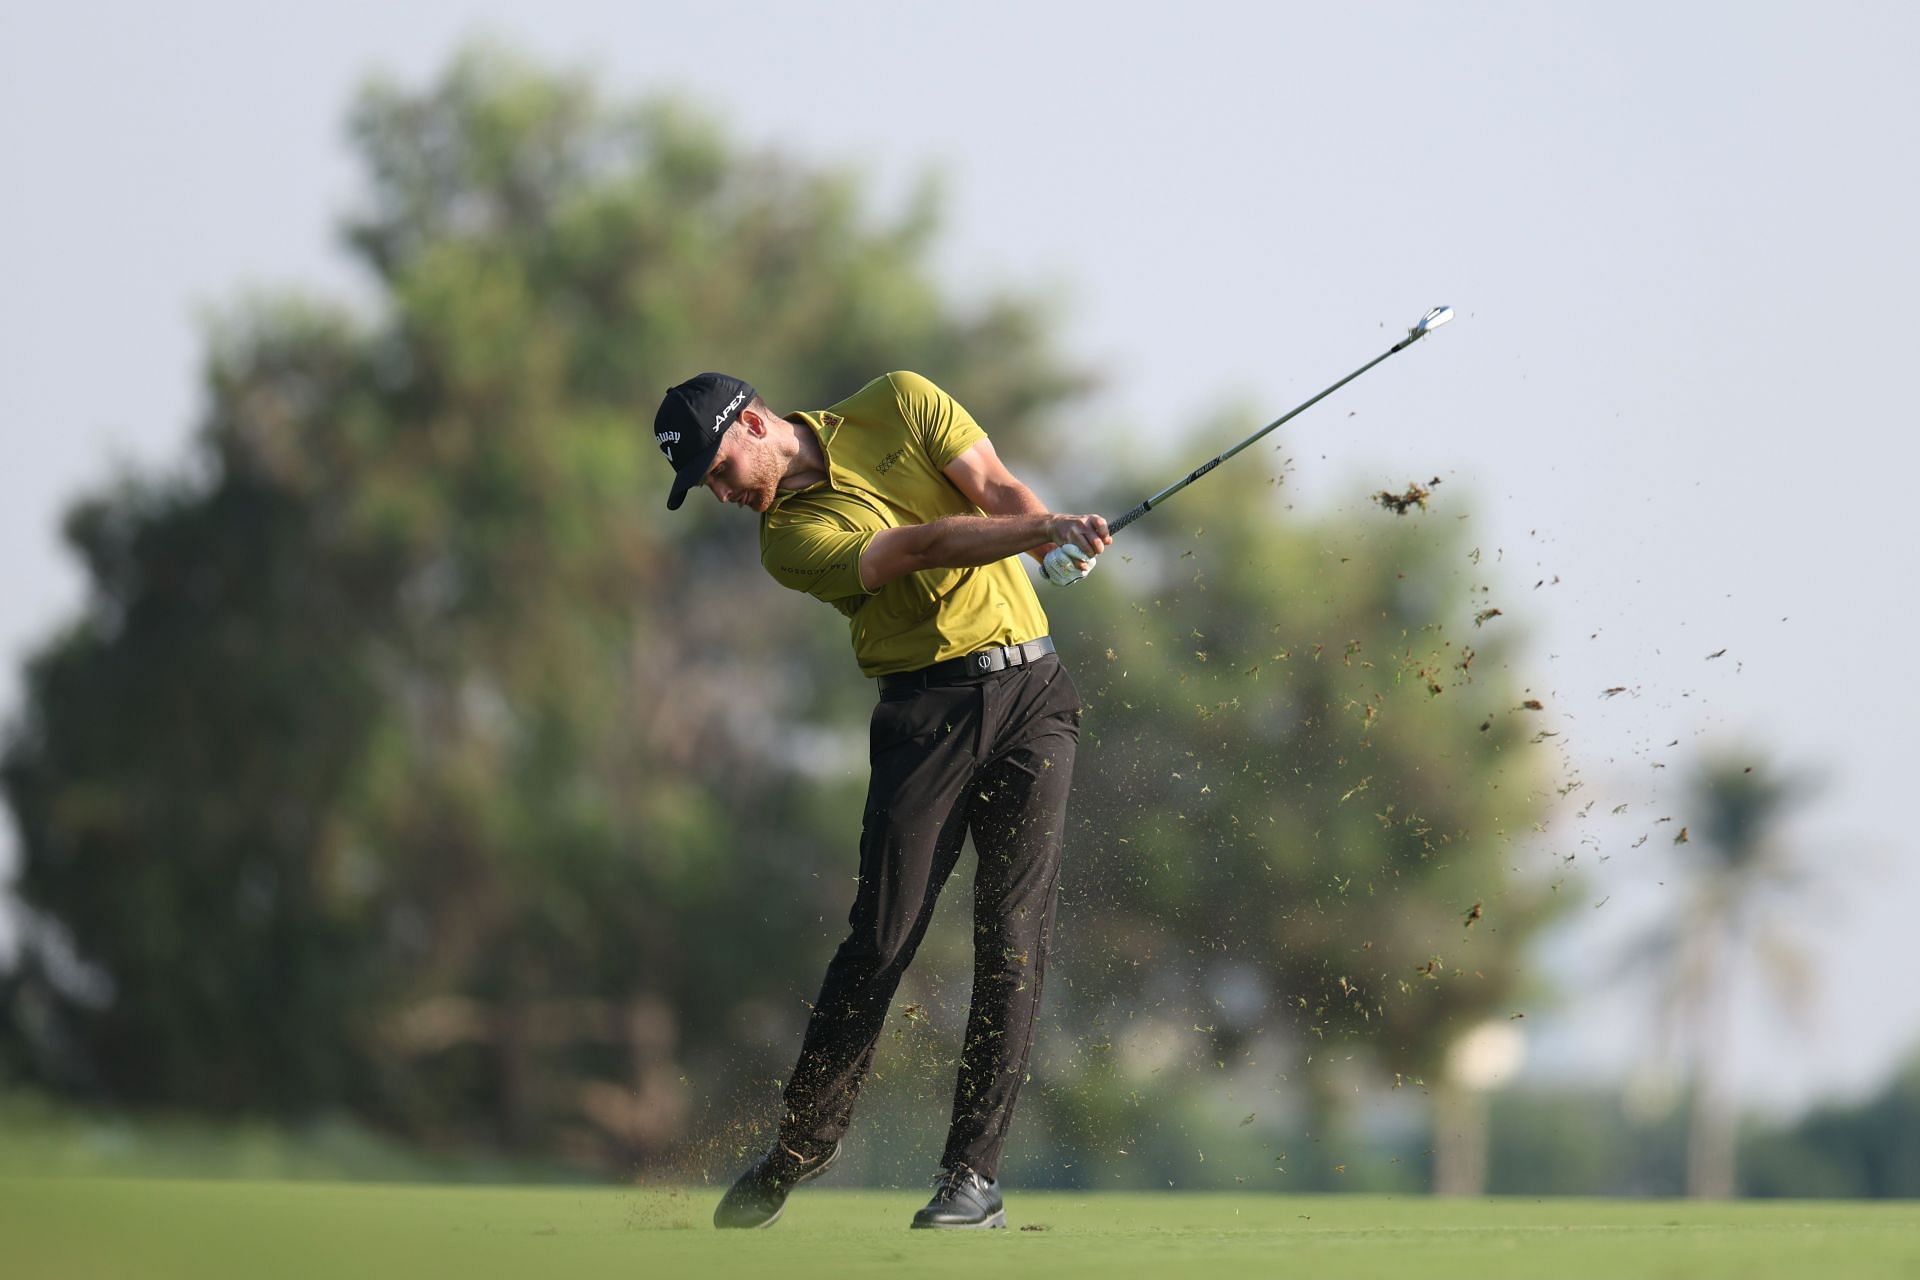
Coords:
pixel 755 424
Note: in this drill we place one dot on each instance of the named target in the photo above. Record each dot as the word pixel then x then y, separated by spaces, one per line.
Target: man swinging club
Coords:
pixel 893 507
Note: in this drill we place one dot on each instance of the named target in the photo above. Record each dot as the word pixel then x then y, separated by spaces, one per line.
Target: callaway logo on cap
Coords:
pixel 690 422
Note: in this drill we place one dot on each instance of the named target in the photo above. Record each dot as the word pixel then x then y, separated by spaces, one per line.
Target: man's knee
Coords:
pixel 876 953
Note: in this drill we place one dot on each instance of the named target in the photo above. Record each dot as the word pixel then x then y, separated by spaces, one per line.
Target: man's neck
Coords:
pixel 808 466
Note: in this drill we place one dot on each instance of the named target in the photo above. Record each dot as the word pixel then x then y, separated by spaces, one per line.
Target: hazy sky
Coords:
pixel 1678 238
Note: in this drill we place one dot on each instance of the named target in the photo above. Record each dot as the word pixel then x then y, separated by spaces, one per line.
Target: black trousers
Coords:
pixel 992 756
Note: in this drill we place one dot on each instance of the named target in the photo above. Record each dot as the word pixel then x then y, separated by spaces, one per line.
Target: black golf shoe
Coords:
pixel 964 1200
pixel 758 1196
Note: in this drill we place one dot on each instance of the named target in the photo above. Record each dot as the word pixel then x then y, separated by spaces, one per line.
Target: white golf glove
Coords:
pixel 1066 564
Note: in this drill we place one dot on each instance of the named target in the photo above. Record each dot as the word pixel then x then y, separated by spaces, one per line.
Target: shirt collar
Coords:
pixel 825 426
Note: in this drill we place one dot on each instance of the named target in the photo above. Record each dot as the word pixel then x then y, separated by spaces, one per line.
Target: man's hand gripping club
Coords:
pixel 1066 564
pixel 1081 538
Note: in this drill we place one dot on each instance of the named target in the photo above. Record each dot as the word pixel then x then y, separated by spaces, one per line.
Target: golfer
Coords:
pixel 892 507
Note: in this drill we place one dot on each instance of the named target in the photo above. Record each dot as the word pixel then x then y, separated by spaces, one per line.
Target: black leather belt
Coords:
pixel 971 667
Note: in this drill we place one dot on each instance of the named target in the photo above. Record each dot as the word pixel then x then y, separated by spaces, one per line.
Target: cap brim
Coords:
pixel 692 474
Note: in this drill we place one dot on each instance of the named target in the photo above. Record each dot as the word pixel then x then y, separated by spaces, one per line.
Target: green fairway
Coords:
pixel 74 1228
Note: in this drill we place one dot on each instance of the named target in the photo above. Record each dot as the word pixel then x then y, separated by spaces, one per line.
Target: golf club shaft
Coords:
pixel 1116 525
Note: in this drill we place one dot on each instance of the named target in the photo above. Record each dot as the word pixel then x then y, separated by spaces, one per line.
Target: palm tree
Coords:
pixel 1739 874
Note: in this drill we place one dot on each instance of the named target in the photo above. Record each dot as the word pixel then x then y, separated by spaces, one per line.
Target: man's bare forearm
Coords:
pixel 961 542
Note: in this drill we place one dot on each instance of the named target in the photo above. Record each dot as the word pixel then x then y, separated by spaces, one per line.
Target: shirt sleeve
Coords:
pixel 816 557
pixel 943 428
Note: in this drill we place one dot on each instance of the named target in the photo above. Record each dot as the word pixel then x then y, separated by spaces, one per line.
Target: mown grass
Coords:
pixel 80 1227
pixel 43 1138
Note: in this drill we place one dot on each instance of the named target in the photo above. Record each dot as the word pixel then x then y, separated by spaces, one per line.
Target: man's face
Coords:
pixel 745 472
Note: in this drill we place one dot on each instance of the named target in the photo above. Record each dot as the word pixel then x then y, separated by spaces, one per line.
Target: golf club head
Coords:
pixel 1432 320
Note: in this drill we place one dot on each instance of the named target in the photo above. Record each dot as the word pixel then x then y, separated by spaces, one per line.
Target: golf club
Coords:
pixel 1429 322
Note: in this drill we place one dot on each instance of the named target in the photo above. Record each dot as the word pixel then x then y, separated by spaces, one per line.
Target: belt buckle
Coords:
pixel 983 662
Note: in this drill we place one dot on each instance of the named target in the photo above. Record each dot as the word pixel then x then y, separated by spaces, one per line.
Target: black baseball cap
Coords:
pixel 690 422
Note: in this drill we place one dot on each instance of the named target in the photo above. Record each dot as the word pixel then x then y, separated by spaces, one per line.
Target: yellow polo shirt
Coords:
pixel 887 446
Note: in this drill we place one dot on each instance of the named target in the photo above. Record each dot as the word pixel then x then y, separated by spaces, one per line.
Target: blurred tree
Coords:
pixel 1870 1148
pixel 399 758
pixel 1578 1142
pixel 1310 785
pixel 1740 874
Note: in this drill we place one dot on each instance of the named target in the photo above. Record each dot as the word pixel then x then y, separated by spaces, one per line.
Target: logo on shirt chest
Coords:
pixel 886 464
